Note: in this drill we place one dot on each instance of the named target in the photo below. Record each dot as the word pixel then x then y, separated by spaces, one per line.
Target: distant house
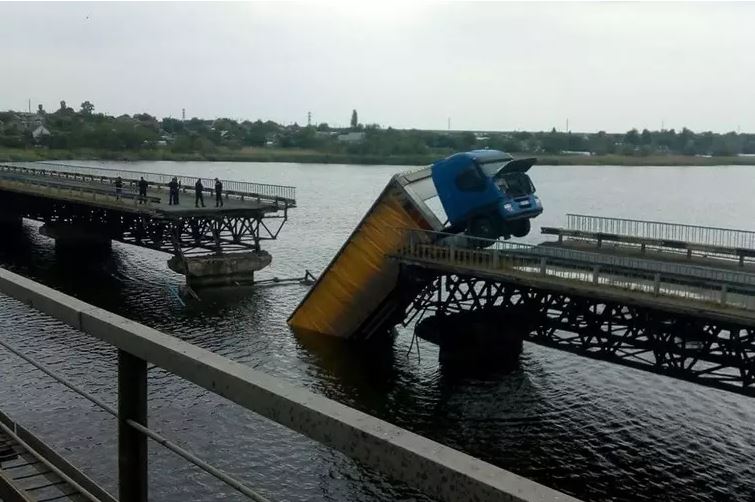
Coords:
pixel 39 132
pixel 351 137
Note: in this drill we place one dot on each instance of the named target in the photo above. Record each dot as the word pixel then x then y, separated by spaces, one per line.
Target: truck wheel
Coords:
pixel 520 228
pixel 483 228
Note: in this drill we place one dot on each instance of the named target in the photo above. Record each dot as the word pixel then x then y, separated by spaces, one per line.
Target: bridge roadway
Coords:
pixel 83 180
pixel 212 246
pixel 667 316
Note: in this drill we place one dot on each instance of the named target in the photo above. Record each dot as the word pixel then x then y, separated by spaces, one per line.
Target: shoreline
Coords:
pixel 314 157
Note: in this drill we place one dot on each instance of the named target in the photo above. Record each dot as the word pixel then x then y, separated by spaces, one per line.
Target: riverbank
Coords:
pixel 315 157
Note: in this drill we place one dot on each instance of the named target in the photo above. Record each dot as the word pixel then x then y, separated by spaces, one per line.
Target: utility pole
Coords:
pixel 567 124
pixel 30 106
pixel 183 114
pixel 449 123
pixel 309 119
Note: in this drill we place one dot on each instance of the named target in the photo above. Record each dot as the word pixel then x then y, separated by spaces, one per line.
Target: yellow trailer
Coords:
pixel 356 294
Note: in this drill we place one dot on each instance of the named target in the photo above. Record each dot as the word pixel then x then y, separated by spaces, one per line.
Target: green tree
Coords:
pixel 354 119
pixel 646 137
pixel 87 108
pixel 632 137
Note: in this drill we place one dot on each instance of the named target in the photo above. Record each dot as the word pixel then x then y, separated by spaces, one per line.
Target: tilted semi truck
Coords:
pixel 483 193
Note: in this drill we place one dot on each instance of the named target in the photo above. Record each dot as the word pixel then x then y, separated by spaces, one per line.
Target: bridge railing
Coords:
pixel 242 189
pixel 727 287
pixel 437 470
pixel 656 230
pixel 61 189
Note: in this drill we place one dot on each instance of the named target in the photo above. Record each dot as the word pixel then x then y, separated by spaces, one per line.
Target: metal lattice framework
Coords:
pixel 697 349
pixel 186 235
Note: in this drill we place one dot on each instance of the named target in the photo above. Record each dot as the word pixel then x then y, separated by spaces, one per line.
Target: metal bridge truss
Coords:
pixel 187 235
pixel 700 350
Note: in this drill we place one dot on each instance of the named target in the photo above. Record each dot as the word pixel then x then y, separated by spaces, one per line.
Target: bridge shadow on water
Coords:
pixel 90 274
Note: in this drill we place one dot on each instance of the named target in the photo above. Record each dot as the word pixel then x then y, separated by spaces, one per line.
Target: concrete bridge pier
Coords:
pixel 218 270
pixel 76 239
pixel 479 340
pixel 10 219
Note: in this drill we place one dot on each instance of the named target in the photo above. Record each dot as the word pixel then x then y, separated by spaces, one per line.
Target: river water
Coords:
pixel 593 429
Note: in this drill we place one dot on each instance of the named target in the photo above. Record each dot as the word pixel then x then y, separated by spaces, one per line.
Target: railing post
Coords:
pixel 724 291
pixel 543 265
pixel 657 284
pixel 595 274
pixel 132 445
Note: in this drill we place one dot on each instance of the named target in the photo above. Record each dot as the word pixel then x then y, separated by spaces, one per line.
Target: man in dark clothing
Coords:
pixel 142 190
pixel 173 192
pixel 218 193
pixel 199 196
pixel 118 187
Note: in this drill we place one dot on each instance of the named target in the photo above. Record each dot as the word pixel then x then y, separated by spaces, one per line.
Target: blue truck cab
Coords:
pixel 487 193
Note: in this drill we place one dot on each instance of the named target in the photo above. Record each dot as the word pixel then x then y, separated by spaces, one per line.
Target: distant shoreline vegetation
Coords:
pixel 310 157
pixel 67 134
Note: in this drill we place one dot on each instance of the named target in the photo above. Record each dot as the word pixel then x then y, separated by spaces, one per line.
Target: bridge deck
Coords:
pixel 654 254
pixel 95 187
pixel 723 293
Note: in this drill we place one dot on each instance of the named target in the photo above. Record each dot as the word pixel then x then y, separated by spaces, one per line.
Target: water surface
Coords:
pixel 593 429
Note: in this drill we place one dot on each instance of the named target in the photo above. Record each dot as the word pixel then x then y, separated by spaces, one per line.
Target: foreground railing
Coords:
pixel 242 189
pixel 727 287
pixel 710 236
pixel 438 471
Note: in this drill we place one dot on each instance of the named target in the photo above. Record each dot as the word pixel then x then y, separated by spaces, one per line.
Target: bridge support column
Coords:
pixel 9 219
pixel 484 339
pixel 76 239
pixel 218 270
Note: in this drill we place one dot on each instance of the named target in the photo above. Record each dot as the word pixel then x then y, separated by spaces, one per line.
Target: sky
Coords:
pixel 485 66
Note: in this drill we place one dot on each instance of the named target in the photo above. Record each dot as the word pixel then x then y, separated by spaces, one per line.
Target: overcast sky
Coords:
pixel 487 66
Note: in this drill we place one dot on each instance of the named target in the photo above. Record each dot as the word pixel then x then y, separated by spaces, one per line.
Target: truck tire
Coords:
pixel 520 228
pixel 484 228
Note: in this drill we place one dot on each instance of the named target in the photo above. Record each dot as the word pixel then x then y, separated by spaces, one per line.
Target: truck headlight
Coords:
pixel 537 200
pixel 508 207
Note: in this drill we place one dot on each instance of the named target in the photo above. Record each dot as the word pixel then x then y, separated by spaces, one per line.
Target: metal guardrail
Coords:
pixel 242 189
pixel 711 236
pixel 60 188
pixel 437 470
pixel 660 278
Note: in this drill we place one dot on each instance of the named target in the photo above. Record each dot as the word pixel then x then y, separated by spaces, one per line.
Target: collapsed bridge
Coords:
pixel 212 246
pixel 672 299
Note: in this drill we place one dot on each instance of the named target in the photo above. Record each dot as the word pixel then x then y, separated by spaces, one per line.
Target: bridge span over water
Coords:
pixel 668 298
pixel 211 245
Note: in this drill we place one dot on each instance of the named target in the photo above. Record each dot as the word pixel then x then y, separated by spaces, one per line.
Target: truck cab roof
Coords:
pixel 485 156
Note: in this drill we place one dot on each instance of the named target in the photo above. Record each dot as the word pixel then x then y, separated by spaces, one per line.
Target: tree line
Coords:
pixel 70 129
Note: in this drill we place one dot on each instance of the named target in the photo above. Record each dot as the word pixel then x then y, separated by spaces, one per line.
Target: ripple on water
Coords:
pixel 597 430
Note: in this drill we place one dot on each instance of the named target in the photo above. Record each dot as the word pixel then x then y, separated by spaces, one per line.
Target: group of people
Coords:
pixel 174 188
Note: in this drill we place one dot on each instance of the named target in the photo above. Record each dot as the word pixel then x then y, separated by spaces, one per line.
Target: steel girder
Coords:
pixel 187 235
pixel 691 348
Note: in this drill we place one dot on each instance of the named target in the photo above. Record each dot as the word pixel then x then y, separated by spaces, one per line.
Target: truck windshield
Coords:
pixel 515 184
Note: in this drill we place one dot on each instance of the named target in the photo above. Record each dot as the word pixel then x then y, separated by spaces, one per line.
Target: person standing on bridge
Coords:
pixel 198 195
pixel 218 193
pixel 142 190
pixel 173 192
pixel 118 187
